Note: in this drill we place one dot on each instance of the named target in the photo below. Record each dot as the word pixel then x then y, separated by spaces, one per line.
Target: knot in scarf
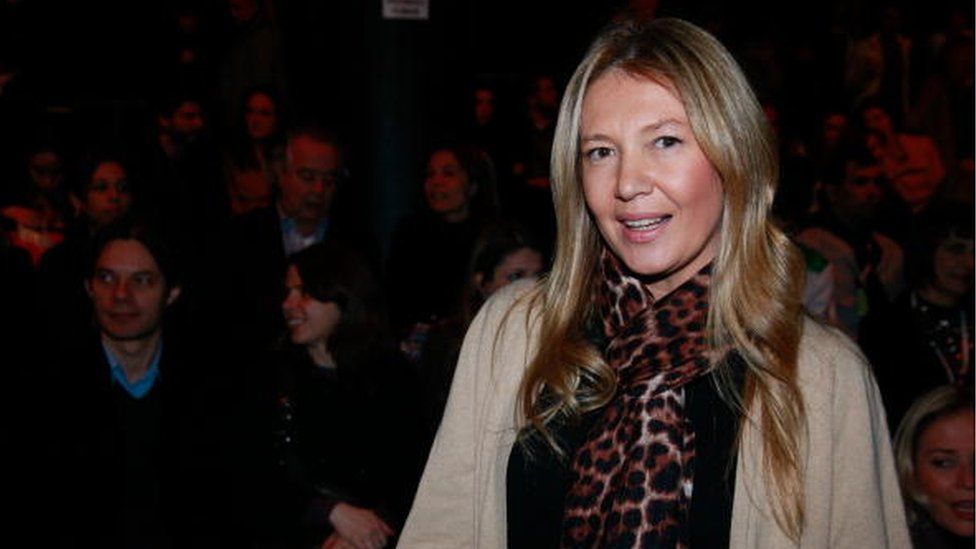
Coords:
pixel 631 480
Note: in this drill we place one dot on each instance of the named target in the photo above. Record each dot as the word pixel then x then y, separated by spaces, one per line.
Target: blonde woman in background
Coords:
pixel 661 387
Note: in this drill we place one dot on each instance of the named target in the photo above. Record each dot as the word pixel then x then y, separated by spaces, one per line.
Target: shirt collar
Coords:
pixel 142 386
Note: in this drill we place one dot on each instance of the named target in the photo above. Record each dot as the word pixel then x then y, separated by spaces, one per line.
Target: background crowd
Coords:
pixel 282 216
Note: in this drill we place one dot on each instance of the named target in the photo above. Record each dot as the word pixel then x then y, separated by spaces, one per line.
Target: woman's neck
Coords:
pixel 320 354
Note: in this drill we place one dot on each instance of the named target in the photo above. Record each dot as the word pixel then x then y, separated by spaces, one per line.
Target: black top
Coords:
pixel 536 486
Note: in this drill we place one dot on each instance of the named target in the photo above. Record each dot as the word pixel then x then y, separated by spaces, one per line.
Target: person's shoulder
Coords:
pixel 830 364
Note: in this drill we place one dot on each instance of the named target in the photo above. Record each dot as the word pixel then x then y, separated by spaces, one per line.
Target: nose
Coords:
pixel 966 473
pixel 634 177
pixel 121 290
pixel 289 303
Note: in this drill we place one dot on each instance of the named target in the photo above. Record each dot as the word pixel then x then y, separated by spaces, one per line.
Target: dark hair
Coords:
pixel 333 273
pixel 170 101
pixel 480 170
pixel 148 233
pixel 92 160
pixel 834 170
pixel 936 226
pixel 496 242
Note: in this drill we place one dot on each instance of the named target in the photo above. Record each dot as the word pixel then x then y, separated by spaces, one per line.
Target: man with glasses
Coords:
pixel 244 284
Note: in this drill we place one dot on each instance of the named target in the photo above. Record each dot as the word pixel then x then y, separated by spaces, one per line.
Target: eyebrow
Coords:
pixel 652 127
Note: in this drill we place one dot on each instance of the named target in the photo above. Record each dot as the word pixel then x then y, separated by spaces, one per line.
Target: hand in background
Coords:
pixel 360 527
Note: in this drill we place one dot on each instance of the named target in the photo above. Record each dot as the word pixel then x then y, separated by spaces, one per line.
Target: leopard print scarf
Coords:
pixel 631 480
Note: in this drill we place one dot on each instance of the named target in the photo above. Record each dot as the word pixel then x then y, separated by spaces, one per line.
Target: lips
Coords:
pixel 963 509
pixel 644 228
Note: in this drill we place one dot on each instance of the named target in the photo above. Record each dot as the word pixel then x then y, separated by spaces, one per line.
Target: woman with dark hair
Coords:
pixel 342 403
pixel 258 142
pixel 430 251
pixel 104 194
pixel 503 254
pixel 934 453
pixel 926 339
pixel 661 387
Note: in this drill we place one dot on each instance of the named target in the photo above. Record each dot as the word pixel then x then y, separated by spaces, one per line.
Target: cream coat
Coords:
pixel 852 497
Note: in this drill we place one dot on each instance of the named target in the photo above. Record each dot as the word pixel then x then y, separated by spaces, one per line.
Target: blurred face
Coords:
pixel 187 120
pixel 45 170
pixel 309 320
pixel 522 263
pixel 862 190
pixel 108 195
pixel 249 189
pixel 308 183
pixel 128 291
pixel 447 189
pixel 242 11
pixel 259 116
pixel 834 127
pixel 877 120
pixel 953 266
pixel 484 105
pixel 653 194
pixel 944 472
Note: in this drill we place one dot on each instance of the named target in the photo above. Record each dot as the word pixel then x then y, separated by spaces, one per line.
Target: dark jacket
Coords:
pixel 137 473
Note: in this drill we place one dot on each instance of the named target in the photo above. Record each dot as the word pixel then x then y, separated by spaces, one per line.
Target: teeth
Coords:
pixel 294 321
pixel 644 223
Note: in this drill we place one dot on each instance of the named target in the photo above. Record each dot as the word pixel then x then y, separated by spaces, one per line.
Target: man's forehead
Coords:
pixel 306 150
pixel 126 256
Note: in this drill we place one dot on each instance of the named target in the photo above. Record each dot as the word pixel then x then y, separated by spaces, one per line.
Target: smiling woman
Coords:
pixel 340 397
pixel 934 449
pixel 661 387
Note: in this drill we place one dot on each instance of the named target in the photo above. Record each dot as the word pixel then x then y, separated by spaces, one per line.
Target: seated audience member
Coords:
pixel 934 456
pixel 184 182
pixel 925 340
pixel 430 250
pixel 257 143
pixel 135 452
pixel 250 256
pixel 41 208
pixel 911 162
pixel 105 194
pixel 346 426
pixel 868 266
pixel 502 254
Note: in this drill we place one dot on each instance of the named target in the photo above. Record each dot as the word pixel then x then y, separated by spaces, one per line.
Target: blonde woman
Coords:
pixel 934 453
pixel 661 387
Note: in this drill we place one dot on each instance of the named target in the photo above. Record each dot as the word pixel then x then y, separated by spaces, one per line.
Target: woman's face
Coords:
pixel 447 189
pixel 260 116
pixel 655 197
pixel 522 263
pixel 108 195
pixel 877 120
pixel 309 320
pixel 944 472
pixel 953 266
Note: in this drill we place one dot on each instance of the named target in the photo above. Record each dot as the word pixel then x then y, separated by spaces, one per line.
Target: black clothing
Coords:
pixel 898 344
pixel 537 482
pixel 129 472
pixel 428 267
pixel 346 434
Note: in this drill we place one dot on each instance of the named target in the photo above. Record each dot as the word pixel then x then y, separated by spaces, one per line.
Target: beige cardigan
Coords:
pixel 851 491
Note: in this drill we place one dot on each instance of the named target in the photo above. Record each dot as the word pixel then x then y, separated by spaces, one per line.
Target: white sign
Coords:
pixel 406 9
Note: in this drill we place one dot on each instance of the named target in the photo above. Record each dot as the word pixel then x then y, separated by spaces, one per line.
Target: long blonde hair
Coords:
pixel 757 276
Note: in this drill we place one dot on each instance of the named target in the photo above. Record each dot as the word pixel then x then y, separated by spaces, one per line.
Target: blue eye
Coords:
pixel 666 142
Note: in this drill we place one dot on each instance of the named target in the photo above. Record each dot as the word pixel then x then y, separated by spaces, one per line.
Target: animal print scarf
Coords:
pixel 631 480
